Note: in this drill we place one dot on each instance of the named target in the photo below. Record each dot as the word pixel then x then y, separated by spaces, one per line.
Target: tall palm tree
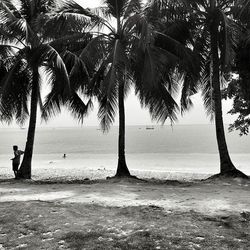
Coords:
pixel 124 53
pixel 25 54
pixel 239 88
pixel 215 38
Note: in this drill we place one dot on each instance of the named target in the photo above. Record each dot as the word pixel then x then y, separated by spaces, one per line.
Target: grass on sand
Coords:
pixel 56 224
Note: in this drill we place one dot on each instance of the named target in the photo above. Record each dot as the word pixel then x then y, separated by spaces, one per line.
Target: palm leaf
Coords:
pixel 14 92
pixel 131 7
pixel 107 109
pixel 116 7
pixel 160 103
pixel 56 64
pixel 78 108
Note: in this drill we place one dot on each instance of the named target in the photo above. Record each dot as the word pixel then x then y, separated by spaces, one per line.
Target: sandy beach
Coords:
pixel 69 203
pixel 124 214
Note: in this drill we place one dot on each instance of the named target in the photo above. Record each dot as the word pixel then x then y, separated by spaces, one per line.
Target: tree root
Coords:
pixel 129 178
pixel 235 173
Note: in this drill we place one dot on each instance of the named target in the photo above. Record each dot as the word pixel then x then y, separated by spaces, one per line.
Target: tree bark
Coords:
pixel 122 169
pixel 226 164
pixel 25 170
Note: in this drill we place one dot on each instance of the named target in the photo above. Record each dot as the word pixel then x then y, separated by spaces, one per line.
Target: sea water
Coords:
pixel 158 151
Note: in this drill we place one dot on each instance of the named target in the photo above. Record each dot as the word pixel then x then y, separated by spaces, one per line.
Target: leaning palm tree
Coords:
pixel 215 37
pixel 124 53
pixel 25 54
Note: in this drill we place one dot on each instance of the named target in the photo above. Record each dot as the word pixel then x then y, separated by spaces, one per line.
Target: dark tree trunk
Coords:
pixel 25 170
pixel 226 165
pixel 122 169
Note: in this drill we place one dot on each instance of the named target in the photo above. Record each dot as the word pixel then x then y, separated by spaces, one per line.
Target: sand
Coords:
pixel 201 196
pixel 124 214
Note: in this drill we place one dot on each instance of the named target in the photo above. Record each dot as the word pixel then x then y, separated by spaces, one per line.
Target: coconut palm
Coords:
pixel 26 54
pixel 124 53
pixel 215 39
pixel 239 88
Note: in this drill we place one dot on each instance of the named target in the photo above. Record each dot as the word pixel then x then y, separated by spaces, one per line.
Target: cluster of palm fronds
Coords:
pixel 156 48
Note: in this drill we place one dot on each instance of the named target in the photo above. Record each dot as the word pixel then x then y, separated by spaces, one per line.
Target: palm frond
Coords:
pixel 69 6
pixel 101 18
pixel 51 106
pixel 78 108
pixel 14 65
pixel 69 18
pixel 6 51
pixel 138 25
pixel 131 7
pixel 160 103
pixel 58 79
pixel 190 87
pixel 207 93
pixel 14 92
pixel 107 109
pixel 48 54
pixel 225 47
pixel 72 42
pixel 241 9
pixel 79 76
pixel 116 8
pixel 94 50
pixel 13 32
pixel 7 10
pixel 107 78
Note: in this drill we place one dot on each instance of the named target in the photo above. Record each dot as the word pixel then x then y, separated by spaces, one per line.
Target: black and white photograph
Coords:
pixel 124 124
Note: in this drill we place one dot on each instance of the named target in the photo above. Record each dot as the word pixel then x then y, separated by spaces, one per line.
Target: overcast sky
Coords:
pixel 134 114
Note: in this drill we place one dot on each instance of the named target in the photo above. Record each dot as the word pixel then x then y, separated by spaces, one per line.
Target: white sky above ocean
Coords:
pixel 135 115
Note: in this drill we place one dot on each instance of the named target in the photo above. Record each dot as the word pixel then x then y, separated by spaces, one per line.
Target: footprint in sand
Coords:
pixel 54 212
pixel 21 246
pixel 48 239
pixel 2 236
pixel 47 234
pixel 57 230
pixel 25 235
pixel 22 236
pixel 199 238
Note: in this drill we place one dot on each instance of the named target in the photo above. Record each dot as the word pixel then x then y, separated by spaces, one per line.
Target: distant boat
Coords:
pixel 150 127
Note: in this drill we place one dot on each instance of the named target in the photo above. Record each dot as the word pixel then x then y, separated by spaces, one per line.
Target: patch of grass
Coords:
pixel 80 240
pixel 49 225
pixel 104 239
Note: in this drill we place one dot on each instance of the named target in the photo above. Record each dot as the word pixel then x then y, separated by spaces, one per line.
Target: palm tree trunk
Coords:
pixel 226 164
pixel 122 169
pixel 25 170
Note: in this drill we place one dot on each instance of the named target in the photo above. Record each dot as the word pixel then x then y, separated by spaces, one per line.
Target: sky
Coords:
pixel 135 115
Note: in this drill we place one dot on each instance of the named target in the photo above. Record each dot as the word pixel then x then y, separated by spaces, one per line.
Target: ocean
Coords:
pixel 158 151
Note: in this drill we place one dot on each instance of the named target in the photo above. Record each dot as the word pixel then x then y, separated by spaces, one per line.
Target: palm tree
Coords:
pixel 25 54
pixel 123 53
pixel 239 88
pixel 215 38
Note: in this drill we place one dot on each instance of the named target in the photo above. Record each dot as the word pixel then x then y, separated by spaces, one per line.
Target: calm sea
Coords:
pixel 182 148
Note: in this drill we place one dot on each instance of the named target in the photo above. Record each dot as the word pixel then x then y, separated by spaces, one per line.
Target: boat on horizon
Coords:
pixel 151 127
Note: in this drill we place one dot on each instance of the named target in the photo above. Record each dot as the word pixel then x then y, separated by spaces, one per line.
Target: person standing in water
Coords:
pixel 16 159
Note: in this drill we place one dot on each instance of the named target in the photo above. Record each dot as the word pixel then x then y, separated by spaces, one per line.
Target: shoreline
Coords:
pixel 101 174
pixel 99 214
pixel 69 172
